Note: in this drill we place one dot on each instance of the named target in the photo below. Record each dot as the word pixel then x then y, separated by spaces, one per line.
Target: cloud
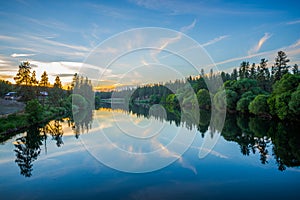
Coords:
pixel 4 76
pixel 7 38
pixel 296 44
pixel 15 55
pixel 213 41
pixel 257 47
pixel 63 75
pixel 291 50
pixel 174 7
pixel 189 27
pixel 55 43
pixel 293 22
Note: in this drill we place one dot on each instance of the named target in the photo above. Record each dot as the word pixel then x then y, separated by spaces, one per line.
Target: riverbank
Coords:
pixel 16 122
pixel 10 106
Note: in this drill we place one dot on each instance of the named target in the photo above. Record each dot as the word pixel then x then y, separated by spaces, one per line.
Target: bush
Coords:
pixel 294 104
pixel 203 98
pixel 259 106
pixel 34 110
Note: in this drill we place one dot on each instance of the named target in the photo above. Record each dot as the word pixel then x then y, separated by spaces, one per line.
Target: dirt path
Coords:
pixel 10 106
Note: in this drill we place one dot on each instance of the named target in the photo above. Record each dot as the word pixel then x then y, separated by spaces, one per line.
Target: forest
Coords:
pixel 251 89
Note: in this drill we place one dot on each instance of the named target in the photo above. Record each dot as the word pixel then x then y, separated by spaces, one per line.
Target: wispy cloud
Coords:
pixel 189 27
pixel 257 47
pixel 296 44
pixel 7 38
pixel 55 43
pixel 213 41
pixel 291 50
pixel 174 7
pixel 293 22
pixel 15 55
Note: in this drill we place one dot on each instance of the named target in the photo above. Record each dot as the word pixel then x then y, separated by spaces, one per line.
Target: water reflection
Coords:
pixel 28 149
pixel 252 134
pixel 269 139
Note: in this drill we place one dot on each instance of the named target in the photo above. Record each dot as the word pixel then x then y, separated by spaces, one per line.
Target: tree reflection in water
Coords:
pixel 28 149
pixel 253 135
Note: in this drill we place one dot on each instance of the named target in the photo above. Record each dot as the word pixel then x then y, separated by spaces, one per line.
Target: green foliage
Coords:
pixel 172 100
pixel 281 105
pixel 219 100
pixel 280 102
pixel 259 106
pixel 231 99
pixel 289 82
pixel 243 103
pixel 203 99
pixel 34 110
pixel 294 104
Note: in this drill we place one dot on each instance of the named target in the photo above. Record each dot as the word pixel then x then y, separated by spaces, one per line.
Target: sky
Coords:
pixel 59 36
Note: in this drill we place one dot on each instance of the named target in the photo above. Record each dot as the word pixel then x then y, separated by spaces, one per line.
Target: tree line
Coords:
pixel 249 89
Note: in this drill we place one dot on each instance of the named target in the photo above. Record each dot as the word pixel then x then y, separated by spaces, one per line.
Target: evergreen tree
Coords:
pixel 252 71
pixel 57 82
pixel 281 66
pixel 244 70
pixel 263 75
pixel 234 74
pixel 33 80
pixel 23 75
pixel 44 80
pixel 295 69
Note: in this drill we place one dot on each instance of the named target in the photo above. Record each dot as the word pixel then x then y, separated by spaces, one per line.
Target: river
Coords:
pixel 131 154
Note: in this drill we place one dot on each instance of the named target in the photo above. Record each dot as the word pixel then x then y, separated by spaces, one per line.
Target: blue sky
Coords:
pixel 57 36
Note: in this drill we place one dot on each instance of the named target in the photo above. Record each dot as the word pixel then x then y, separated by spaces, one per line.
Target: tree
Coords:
pixel 27 149
pixel 34 110
pixel 252 71
pixel 281 96
pixel 57 83
pixel 23 75
pixel 5 87
pixel 295 69
pixel 263 75
pixel 259 105
pixel 56 93
pixel 203 98
pixel 244 70
pixel 234 74
pixel 33 80
pixel 44 80
pixel 294 104
pixel 281 66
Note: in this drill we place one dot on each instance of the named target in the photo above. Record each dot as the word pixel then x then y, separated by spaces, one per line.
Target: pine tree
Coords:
pixel 295 69
pixel 252 71
pixel 57 82
pixel 33 80
pixel 281 66
pixel 23 75
pixel 263 75
pixel 234 74
pixel 44 80
pixel 244 70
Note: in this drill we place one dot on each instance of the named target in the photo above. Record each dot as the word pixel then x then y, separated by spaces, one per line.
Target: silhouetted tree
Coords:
pixel 281 66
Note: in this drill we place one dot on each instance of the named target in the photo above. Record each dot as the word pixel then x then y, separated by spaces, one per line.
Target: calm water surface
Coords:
pixel 252 159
